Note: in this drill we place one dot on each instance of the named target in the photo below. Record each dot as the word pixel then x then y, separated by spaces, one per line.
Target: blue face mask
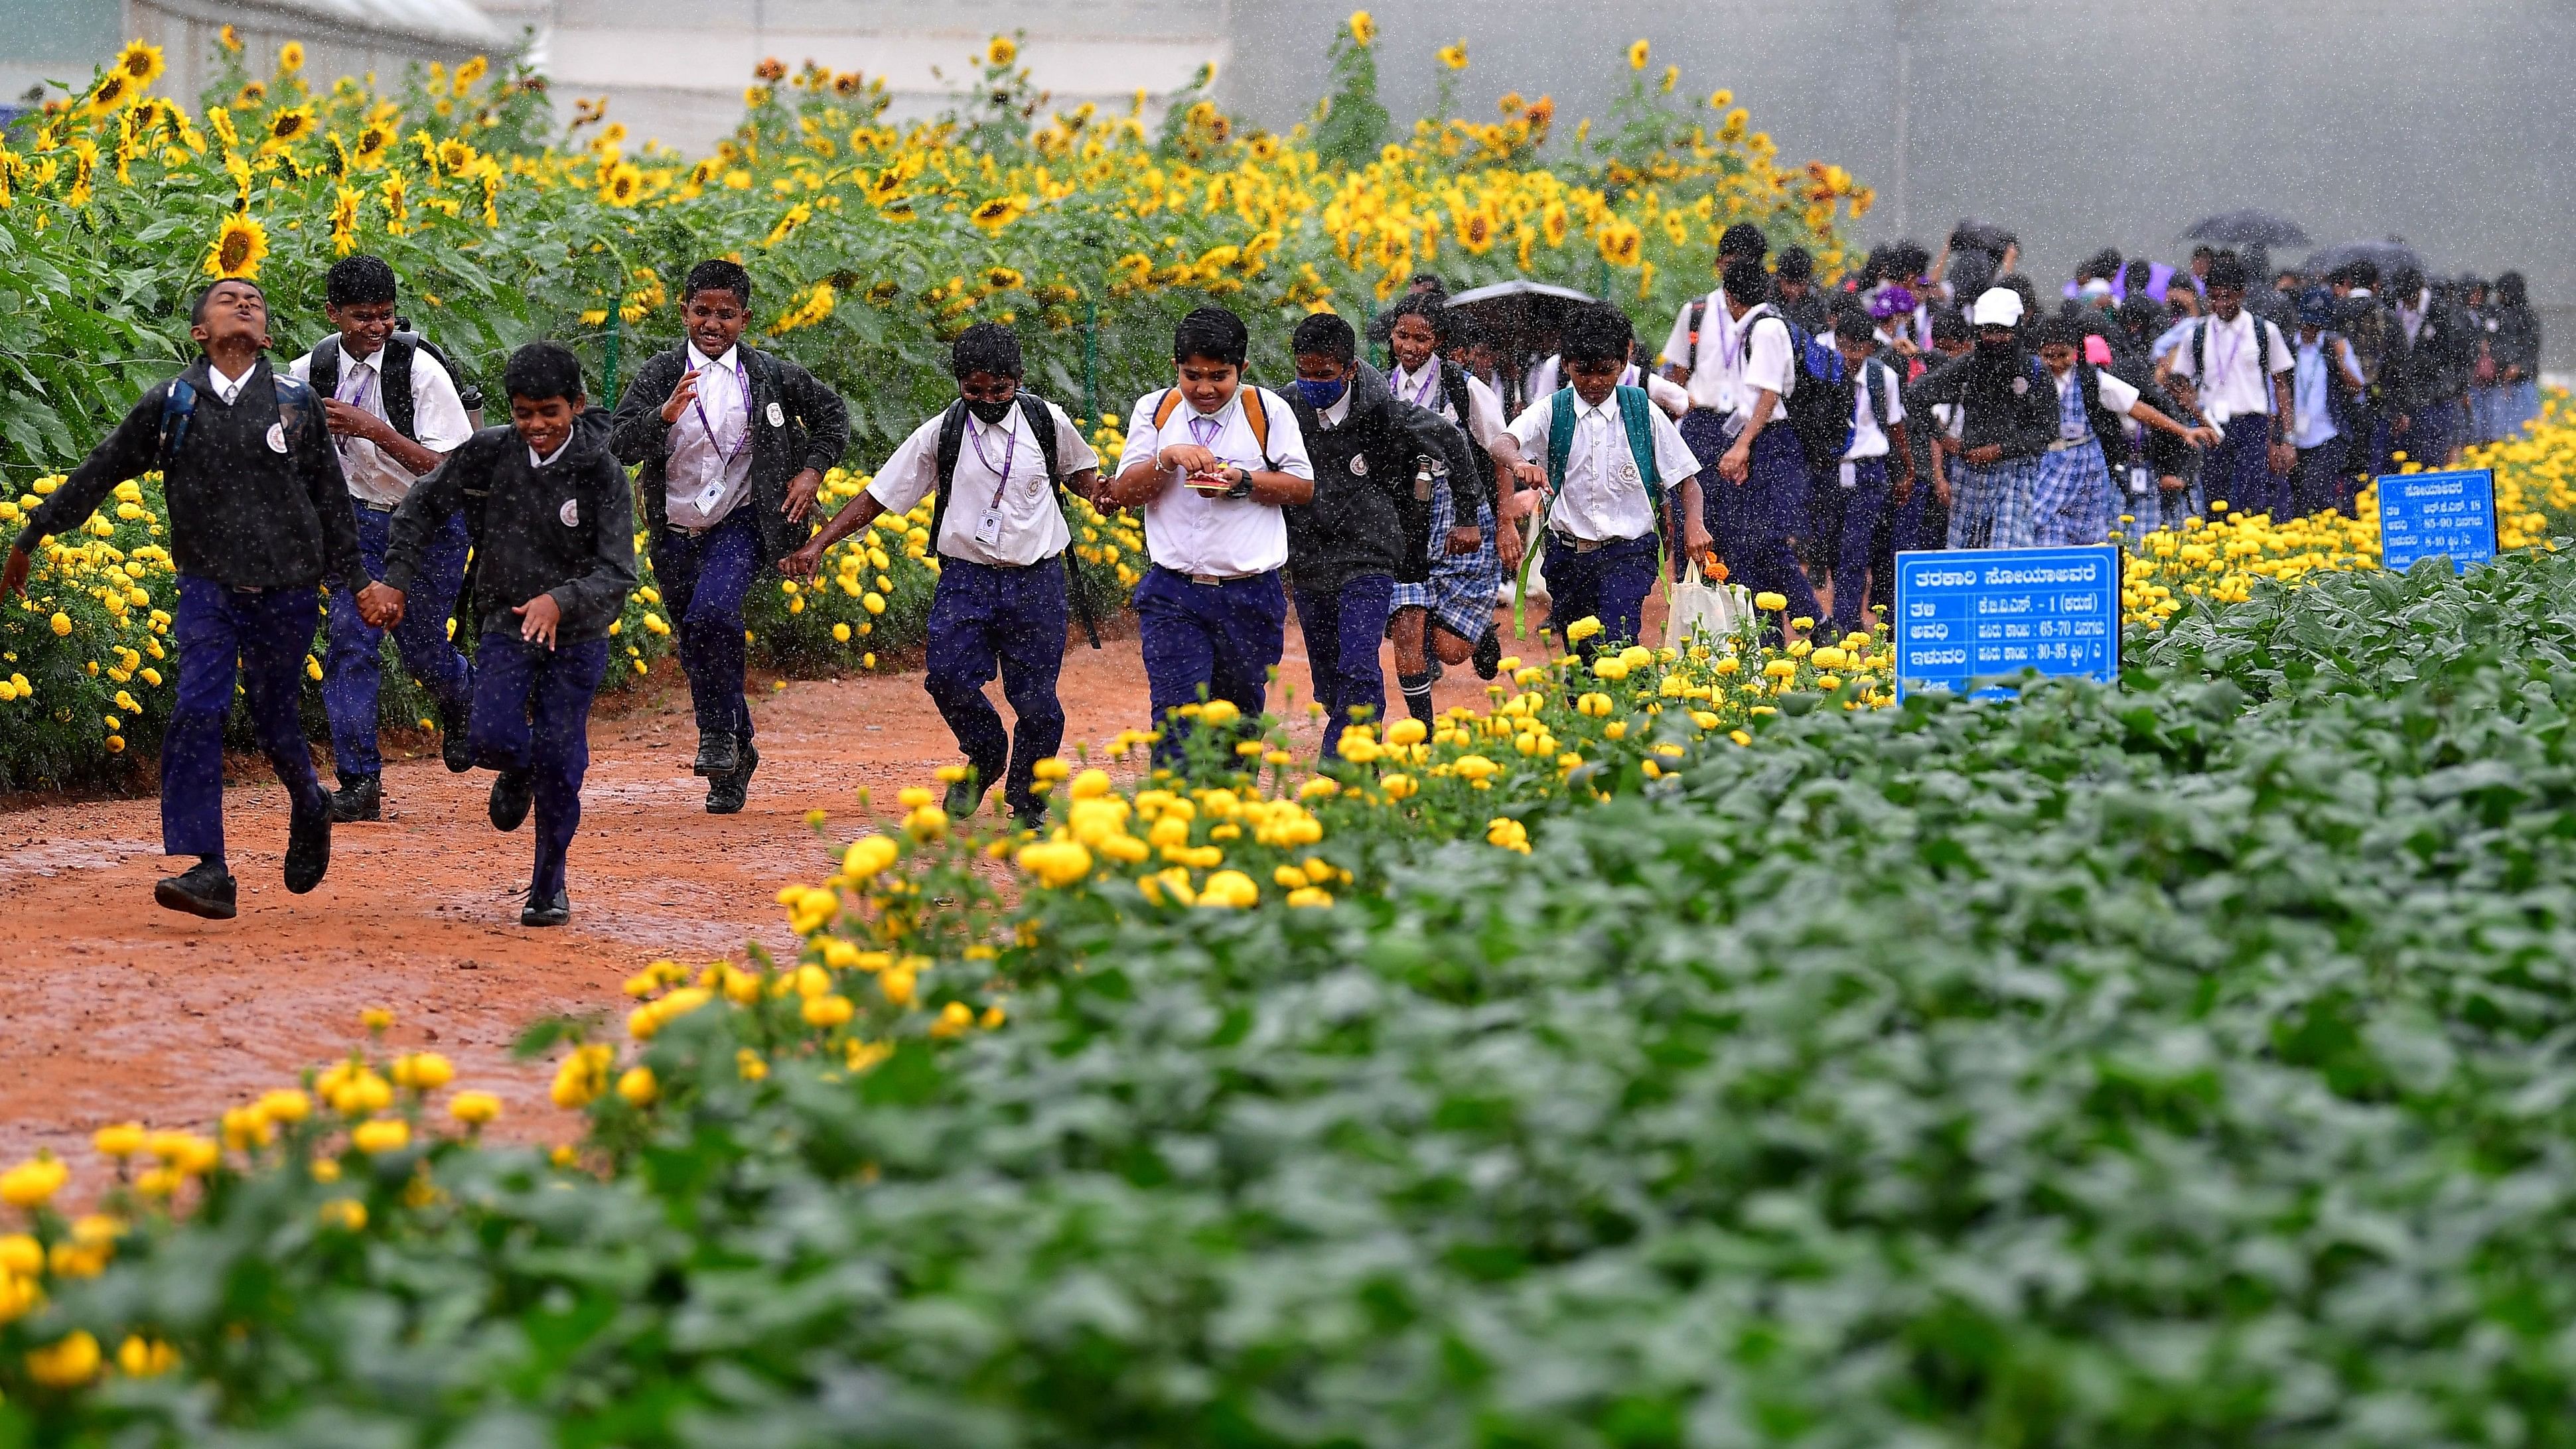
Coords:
pixel 1322 394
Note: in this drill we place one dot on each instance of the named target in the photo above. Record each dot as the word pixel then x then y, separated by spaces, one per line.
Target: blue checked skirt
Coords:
pixel 2072 501
pixel 1460 592
pixel 1990 506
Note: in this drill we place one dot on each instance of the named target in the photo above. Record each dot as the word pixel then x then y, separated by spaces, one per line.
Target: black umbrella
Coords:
pixel 1522 319
pixel 2248 227
pixel 2390 256
pixel 1982 236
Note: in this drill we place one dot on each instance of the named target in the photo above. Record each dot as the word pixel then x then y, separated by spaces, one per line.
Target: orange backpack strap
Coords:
pixel 1257 418
pixel 1170 404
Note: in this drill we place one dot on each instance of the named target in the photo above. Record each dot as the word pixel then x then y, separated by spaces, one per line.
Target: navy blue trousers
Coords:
pixel 1221 638
pixel 2430 432
pixel 353 670
pixel 532 714
pixel 263 637
pixel 1608 584
pixel 704 580
pixel 983 618
pixel 1855 514
pixel 1753 521
pixel 1343 630
pixel 2239 470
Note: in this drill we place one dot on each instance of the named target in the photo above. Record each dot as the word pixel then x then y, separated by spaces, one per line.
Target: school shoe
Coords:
pixel 454 745
pixel 360 797
pixel 718 755
pixel 308 847
pixel 204 889
pixel 510 799
pixel 553 911
pixel 726 795
pixel 1488 657
pixel 966 795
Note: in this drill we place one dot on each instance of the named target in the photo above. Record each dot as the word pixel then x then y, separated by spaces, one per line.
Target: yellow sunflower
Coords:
pixel 848 83
pixel 1476 231
pixel 373 142
pixel 141 63
pixel 1552 223
pixel 252 94
pixel 999 212
pixel 1454 56
pixel 290 57
pixel 1363 28
pixel 1003 279
pixel 344 221
pixel 239 245
pixel 290 126
pixel 1637 56
pixel 1002 51
pixel 113 92
pixel 230 41
pixel 455 158
pixel 1622 244
pixel 469 73
pixel 622 186
pixel 1672 78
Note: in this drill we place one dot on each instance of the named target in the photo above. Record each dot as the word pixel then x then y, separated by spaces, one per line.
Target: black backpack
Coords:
pixel 1041 419
pixel 2265 331
pixel 395 371
pixel 1820 407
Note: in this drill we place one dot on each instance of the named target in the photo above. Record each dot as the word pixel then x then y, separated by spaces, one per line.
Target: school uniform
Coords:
pixel 1998 400
pixel 2074 499
pixel 1672 397
pixel 259 519
pixel 1002 603
pixel 2232 364
pixel 1460 590
pixel 1607 464
pixel 1852 511
pixel 2434 372
pixel 1754 521
pixel 1211 611
pixel 353 667
pixel 2324 372
pixel 563 526
pixel 714 490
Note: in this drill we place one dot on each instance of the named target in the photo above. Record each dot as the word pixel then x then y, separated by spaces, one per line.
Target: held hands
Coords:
pixel 1465 541
pixel 538 618
pixel 1901 487
pixel 2282 456
pixel 2201 437
pixel 1985 454
pixel 1508 546
pixel 681 396
pixel 380 605
pixel 1737 464
pixel 800 495
pixel 802 563
pixel 2170 483
pixel 1941 490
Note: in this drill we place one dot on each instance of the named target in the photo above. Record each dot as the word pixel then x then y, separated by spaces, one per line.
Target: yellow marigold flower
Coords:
pixel 865 859
pixel 384 1134
pixel 143 1358
pixel 475 1109
pixel 33 1183
pixel 120 1141
pixel 1587 626
pixel 67 1363
pixel 1230 890
pixel 345 1213
pixel 637 1087
pixel 423 1071
pixel 1770 602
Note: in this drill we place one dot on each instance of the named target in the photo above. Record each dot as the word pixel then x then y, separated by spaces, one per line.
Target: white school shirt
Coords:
pixel 2309 396
pixel 1662 391
pixel 1720 362
pixel 1033 526
pixel 2115 396
pixel 1191 533
pixel 1604 495
pixel 709 472
pixel 1868 439
pixel 227 388
pixel 548 460
pixel 1763 335
pixel 2243 366
pixel 1484 420
pixel 437 418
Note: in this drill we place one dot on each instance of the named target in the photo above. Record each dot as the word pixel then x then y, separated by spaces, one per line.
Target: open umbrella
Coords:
pixel 2390 256
pixel 2248 227
pixel 1522 319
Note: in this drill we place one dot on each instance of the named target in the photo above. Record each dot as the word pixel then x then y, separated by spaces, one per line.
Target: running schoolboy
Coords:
pixel 1211 461
pixel 394 413
pixel 734 444
pixel 1450 617
pixel 1380 466
pixel 2239 366
pixel 1879 459
pixel 995 459
pixel 1608 457
pixel 552 520
pixel 259 519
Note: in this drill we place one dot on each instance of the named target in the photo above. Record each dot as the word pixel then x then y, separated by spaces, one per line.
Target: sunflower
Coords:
pixel 113 92
pixel 239 245
pixel 1002 51
pixel 290 126
pixel 252 93
pixel 455 158
pixel 344 221
pixel 290 57
pixel 1454 56
pixel 1637 56
pixel 1476 231
pixel 999 212
pixel 772 70
pixel 848 83
pixel 1622 244
pixel 1541 112
pixel 1672 78
pixel 373 142
pixel 1003 279
pixel 1552 223
pixel 469 73
pixel 622 186
pixel 141 63
pixel 230 41
pixel 1363 28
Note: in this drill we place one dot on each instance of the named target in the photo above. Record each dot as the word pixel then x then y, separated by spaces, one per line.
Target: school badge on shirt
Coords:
pixel 570 513
pixel 777 416
pixel 1359 466
pixel 277 437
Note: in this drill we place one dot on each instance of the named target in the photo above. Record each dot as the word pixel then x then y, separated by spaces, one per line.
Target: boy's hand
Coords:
pixel 1986 454
pixel 381 605
pixel 2201 437
pixel 1901 488
pixel 1695 539
pixel 1190 458
pixel 2171 484
pixel 1737 464
pixel 800 495
pixel 681 396
pixel 1465 541
pixel 1508 547
pixel 1530 475
pixel 348 421
pixel 538 618
pixel 13 574
pixel 803 562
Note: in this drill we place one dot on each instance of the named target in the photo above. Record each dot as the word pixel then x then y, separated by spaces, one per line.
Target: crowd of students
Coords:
pixel 1777 434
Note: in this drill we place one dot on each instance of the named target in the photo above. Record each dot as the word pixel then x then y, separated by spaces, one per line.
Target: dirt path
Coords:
pixel 119 1009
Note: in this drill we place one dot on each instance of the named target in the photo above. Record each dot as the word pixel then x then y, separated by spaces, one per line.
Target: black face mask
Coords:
pixel 991 414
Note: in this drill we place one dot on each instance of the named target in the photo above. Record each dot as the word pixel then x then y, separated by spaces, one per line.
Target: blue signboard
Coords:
pixel 2427 515
pixel 1980 613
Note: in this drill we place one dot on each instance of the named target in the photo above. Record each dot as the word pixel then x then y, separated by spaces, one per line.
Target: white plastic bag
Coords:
pixel 1714 610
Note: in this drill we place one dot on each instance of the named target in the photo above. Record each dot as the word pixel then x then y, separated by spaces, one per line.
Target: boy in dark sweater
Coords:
pixel 259 519
pixel 553 523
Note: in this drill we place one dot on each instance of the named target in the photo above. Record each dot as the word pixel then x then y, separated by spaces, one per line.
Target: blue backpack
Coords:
pixel 1820 407
pixel 296 409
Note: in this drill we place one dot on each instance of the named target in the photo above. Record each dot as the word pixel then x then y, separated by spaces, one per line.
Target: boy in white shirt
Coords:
pixel 999 459
pixel 1610 457
pixel 1880 457
pixel 2239 366
pixel 1211 462
pixel 2326 370
pixel 394 414
pixel 1759 501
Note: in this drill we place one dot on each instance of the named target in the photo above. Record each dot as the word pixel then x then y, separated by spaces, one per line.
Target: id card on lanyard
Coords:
pixel 988 532
pixel 713 494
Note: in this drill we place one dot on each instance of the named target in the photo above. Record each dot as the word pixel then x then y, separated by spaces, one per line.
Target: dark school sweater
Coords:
pixel 1364 519
pixel 566 529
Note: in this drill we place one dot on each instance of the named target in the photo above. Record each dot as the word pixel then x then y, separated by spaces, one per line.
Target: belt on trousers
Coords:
pixel 2062 444
pixel 374 507
pixel 1212 580
pixel 1585 545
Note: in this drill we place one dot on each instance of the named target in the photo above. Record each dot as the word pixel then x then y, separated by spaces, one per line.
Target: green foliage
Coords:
pixel 1350 123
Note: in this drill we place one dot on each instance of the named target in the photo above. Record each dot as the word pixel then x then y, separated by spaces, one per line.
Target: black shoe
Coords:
pixel 553 912
pixel 308 848
pixel 718 756
pixel 360 797
pixel 204 889
pixel 1488 657
pixel 454 746
pixel 510 799
pixel 727 795
pixel 966 795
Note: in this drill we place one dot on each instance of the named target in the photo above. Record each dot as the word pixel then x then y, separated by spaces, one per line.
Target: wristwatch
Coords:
pixel 1242 486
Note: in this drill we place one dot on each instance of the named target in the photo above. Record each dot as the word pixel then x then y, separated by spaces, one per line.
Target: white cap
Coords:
pixel 2097 287
pixel 1996 307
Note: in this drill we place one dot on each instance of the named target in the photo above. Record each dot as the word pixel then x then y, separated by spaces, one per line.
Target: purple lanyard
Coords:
pixel 1203 431
pixel 2225 364
pixel 1010 450
pixel 1422 393
pixel 365 378
pixel 742 385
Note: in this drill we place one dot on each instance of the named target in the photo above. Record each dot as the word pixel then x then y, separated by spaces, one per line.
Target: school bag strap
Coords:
pixel 1698 315
pixel 1560 437
pixel 2262 356
pixel 325 367
pixel 1635 419
pixel 178 409
pixel 393 374
pixel 1256 416
pixel 1460 397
